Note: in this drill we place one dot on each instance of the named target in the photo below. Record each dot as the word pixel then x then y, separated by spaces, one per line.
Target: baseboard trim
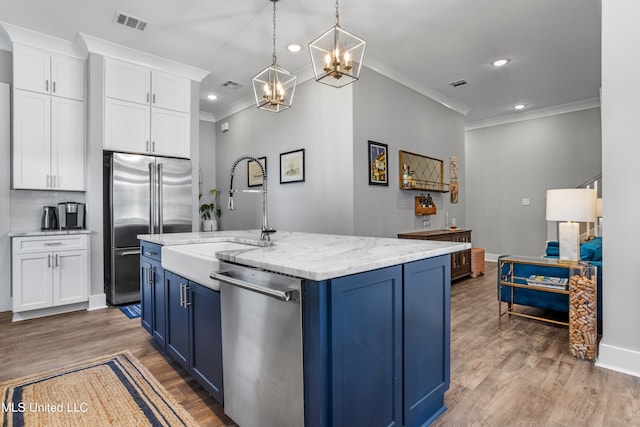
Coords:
pixel 49 311
pixel 618 359
pixel 97 302
pixel 491 257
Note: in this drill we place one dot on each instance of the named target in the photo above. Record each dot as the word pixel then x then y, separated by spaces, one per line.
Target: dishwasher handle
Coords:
pixel 279 295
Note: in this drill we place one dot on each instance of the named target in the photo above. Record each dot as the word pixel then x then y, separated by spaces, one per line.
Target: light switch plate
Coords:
pixel 526 202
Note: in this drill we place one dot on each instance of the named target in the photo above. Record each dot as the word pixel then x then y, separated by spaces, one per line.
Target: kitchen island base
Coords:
pixel 376 346
pixel 375 343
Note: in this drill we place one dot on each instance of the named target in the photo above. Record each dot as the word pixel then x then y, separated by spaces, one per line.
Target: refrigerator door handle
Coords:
pixel 152 192
pixel 160 198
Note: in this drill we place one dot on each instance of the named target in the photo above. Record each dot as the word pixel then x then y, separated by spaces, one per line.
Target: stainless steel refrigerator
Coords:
pixel 142 195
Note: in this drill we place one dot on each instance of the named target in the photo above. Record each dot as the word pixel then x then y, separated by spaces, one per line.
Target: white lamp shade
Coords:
pixel 571 204
pixel 599 207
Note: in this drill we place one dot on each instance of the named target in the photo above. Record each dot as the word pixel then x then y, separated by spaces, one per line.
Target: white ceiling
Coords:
pixel 554 45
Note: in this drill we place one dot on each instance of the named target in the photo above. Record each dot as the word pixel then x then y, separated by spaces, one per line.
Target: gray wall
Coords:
pixel 510 162
pixel 388 112
pixel 207 161
pixel 321 122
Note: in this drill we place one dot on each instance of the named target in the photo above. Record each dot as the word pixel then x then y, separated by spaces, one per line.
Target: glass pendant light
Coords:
pixel 337 55
pixel 274 86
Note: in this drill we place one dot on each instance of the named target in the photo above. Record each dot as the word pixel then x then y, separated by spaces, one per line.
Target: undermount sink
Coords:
pixel 197 261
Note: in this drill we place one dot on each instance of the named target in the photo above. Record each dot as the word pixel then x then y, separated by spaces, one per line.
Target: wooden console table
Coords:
pixel 460 261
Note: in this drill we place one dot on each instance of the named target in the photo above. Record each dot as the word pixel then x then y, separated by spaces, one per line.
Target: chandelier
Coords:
pixel 274 86
pixel 337 55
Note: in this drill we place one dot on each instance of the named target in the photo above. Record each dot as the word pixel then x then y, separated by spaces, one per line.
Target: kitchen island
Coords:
pixel 373 319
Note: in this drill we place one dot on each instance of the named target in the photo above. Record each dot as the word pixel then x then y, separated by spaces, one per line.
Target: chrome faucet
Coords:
pixel 266 231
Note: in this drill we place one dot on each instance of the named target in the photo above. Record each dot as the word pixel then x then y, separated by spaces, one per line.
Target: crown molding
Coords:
pixel 92 44
pixel 586 104
pixel 205 116
pixel 24 36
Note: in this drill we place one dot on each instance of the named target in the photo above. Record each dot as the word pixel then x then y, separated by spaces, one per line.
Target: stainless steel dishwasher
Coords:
pixel 261 347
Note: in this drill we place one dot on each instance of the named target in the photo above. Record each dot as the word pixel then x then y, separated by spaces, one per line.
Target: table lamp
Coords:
pixel 571 206
pixel 598 225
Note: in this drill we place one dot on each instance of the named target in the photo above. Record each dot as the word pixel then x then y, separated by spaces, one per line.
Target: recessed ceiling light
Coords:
pixel 212 97
pixel 519 106
pixel 294 48
pixel 500 62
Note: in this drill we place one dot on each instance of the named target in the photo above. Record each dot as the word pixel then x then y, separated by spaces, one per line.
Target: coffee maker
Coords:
pixel 71 215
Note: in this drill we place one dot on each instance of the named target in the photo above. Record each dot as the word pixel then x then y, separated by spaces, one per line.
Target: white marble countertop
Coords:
pixel 314 256
pixel 35 233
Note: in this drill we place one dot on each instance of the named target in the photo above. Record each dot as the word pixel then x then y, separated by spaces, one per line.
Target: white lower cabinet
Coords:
pixel 49 271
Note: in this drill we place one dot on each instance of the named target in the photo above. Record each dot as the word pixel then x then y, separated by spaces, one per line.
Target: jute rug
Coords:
pixel 114 390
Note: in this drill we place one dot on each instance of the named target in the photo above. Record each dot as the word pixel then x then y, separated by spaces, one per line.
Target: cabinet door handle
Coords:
pixel 152 275
pixel 53 244
pixel 147 279
pixel 48 260
pixel 154 98
pixel 153 147
pixel 187 300
pixel 181 295
pixel 147 96
pixel 147 149
pixel 57 264
pixel 54 87
pixel 54 178
pixel 48 180
pixel 46 84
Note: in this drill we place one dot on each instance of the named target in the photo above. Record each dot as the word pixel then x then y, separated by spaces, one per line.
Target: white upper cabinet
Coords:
pixel 31 140
pixel 49 73
pixel 167 128
pixel 127 126
pixel 48 142
pixel 133 83
pixel 146 111
pixel 170 92
pixel 126 81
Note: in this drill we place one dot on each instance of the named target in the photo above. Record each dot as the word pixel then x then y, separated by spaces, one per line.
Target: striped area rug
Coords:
pixel 132 311
pixel 114 390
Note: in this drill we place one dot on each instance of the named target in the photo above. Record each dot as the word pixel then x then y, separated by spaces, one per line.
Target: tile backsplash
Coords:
pixel 26 206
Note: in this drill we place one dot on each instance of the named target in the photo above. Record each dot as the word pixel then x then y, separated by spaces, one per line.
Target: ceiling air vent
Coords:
pixel 458 83
pixel 130 21
pixel 232 84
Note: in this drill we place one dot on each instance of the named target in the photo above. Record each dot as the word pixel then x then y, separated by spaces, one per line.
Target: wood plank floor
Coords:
pixel 523 375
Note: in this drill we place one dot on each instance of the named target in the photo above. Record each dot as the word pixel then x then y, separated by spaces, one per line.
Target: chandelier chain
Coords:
pixel 337 14
pixel 274 31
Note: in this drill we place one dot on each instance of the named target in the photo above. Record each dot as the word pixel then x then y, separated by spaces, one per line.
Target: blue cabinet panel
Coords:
pixel 146 294
pixel 366 332
pixel 426 301
pixel 159 325
pixel 206 354
pixel 177 319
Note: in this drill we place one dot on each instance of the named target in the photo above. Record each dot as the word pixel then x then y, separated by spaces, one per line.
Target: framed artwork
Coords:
pixel 292 166
pixel 453 187
pixel 378 164
pixel 453 167
pixel 254 174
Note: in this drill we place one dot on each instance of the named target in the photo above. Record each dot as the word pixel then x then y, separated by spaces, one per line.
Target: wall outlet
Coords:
pixel 526 202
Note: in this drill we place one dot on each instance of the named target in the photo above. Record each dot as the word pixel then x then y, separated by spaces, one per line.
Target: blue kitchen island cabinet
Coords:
pixel 194 337
pixel 377 346
pixel 152 292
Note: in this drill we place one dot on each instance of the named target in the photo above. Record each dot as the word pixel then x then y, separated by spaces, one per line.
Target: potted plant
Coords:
pixel 210 213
